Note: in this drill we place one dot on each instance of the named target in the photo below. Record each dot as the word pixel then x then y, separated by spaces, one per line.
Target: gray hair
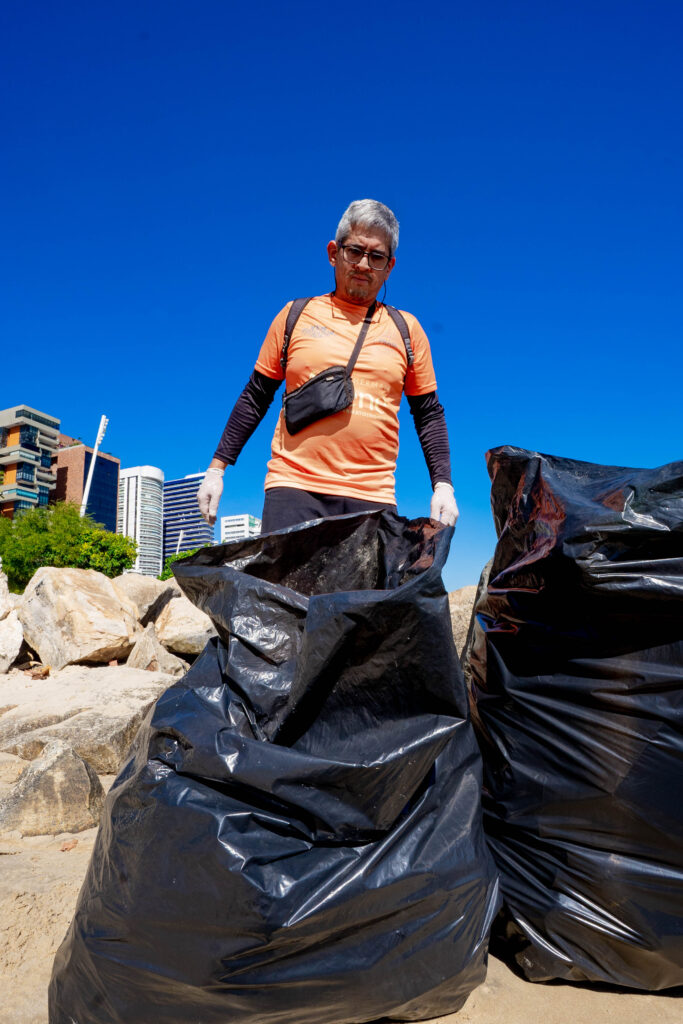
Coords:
pixel 368 213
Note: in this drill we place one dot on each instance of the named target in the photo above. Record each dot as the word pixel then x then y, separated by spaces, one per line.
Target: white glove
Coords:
pixel 209 494
pixel 443 507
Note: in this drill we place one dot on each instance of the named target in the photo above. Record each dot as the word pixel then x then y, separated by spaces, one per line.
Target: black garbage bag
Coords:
pixel 296 836
pixel 577 700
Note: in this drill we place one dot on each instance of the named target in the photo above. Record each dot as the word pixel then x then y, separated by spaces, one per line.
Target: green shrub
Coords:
pixel 57 535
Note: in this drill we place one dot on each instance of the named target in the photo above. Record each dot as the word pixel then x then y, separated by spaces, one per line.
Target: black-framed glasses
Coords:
pixel 354 254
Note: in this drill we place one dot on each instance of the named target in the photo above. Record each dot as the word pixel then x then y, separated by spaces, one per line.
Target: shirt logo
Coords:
pixel 316 331
pixel 385 341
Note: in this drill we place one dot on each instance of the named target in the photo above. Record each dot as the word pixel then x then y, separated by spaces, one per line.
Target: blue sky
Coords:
pixel 173 171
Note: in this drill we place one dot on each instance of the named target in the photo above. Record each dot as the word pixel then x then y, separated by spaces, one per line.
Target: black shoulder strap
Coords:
pixel 295 311
pixel 402 330
pixel 361 338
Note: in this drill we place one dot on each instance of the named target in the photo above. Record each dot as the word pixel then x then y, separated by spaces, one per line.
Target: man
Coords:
pixel 345 462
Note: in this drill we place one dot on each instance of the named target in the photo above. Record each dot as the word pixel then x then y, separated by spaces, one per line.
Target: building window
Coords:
pixel 26 472
pixel 26 414
pixel 28 437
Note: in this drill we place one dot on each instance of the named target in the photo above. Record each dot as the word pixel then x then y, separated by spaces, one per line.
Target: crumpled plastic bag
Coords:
pixel 577 699
pixel 296 836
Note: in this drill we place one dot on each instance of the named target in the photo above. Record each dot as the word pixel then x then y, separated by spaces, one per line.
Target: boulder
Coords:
pixel 96 711
pixel 183 628
pixel 147 594
pixel 481 590
pixel 151 656
pixel 76 615
pixel 461 603
pixel 58 792
pixel 11 638
pixel 6 603
pixel 11 768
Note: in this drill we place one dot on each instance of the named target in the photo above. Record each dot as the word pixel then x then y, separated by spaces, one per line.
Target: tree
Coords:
pixel 57 535
pixel 168 571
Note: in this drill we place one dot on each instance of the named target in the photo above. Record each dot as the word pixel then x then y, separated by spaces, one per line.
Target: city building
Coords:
pixel 28 438
pixel 71 463
pixel 239 527
pixel 140 515
pixel 184 528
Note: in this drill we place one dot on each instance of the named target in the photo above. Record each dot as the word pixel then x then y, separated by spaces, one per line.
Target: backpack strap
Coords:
pixel 298 306
pixel 402 327
pixel 295 311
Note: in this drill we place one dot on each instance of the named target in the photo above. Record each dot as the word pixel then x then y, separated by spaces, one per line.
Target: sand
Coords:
pixel 38 888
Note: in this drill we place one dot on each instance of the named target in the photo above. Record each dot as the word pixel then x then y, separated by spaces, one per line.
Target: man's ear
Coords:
pixel 332 252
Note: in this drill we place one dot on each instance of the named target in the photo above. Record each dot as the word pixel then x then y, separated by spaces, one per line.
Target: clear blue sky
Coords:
pixel 173 171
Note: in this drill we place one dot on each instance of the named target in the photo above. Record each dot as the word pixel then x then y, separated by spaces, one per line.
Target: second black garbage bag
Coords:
pixel 296 836
pixel 577 684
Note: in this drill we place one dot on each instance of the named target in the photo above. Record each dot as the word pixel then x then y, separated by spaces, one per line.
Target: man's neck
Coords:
pixel 361 303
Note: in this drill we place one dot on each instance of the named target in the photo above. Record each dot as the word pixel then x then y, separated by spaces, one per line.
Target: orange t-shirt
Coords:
pixel 352 453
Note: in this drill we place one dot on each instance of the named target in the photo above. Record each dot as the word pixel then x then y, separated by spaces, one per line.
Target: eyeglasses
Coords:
pixel 354 254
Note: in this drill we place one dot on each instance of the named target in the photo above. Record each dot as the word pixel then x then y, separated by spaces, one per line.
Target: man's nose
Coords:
pixel 367 261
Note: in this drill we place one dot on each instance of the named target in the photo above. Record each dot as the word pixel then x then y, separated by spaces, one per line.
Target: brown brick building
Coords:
pixel 71 463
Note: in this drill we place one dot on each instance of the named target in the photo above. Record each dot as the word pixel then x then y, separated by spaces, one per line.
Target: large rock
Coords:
pixel 11 768
pixel 97 711
pixel 461 603
pixel 481 590
pixel 76 615
pixel 6 603
pixel 183 628
pixel 149 655
pixel 145 593
pixel 11 637
pixel 58 792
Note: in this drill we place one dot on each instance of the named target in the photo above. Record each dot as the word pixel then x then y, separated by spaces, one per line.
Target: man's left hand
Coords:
pixel 443 507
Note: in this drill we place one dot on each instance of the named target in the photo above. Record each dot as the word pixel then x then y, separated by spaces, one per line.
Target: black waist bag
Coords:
pixel 331 390
pixel 328 392
pixel 323 395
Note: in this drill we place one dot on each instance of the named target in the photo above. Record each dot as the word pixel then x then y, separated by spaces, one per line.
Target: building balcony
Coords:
pixel 10 492
pixel 17 453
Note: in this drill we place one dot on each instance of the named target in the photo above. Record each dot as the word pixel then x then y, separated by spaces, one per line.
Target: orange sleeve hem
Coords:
pixel 424 389
pixel 267 372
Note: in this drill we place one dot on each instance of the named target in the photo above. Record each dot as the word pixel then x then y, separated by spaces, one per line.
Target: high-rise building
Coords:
pixel 184 528
pixel 141 515
pixel 239 527
pixel 71 463
pixel 28 438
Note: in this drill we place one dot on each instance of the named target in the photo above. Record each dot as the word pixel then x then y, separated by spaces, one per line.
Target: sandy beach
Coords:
pixel 39 882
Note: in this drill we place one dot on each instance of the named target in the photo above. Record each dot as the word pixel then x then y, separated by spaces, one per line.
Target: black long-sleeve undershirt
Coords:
pixel 248 411
pixel 257 396
pixel 430 423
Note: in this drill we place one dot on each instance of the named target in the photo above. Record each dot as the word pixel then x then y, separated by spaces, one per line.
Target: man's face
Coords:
pixel 359 283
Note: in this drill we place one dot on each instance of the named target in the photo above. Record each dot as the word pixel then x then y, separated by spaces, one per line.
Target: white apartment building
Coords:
pixel 239 527
pixel 140 515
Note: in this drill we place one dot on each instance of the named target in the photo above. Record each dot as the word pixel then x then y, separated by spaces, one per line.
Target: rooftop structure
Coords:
pixel 28 438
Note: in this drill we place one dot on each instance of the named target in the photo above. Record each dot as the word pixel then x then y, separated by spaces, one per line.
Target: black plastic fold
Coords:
pixel 296 836
pixel 577 698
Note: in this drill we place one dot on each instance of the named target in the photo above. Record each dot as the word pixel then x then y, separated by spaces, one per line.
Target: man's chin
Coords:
pixel 359 290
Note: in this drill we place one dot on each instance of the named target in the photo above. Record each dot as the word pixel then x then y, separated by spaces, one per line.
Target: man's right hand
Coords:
pixel 209 494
